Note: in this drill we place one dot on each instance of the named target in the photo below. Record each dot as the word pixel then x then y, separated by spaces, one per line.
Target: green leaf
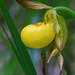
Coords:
pixel 51 54
pixel 61 37
pixel 12 68
pixel 8 39
pixel 61 32
pixel 65 73
pixel 50 17
pixel 52 51
pixel 7 44
pixel 22 53
pixel 33 5
pixel 60 27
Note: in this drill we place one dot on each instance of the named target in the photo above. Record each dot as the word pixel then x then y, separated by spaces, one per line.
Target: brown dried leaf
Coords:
pixel 60 62
pixel 33 5
pixel 43 56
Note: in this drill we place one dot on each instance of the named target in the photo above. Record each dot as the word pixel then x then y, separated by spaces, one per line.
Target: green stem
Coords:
pixel 65 10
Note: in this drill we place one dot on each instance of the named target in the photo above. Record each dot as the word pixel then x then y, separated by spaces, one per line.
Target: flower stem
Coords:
pixel 66 10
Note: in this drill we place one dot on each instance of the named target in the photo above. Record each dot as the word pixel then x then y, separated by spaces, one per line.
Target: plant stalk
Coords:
pixel 65 10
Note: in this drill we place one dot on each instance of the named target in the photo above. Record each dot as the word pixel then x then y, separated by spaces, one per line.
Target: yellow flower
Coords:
pixel 38 35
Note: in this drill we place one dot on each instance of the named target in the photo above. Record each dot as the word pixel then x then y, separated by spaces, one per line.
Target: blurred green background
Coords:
pixel 22 17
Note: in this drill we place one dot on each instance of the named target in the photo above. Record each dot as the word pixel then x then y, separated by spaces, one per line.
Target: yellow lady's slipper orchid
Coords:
pixel 38 35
